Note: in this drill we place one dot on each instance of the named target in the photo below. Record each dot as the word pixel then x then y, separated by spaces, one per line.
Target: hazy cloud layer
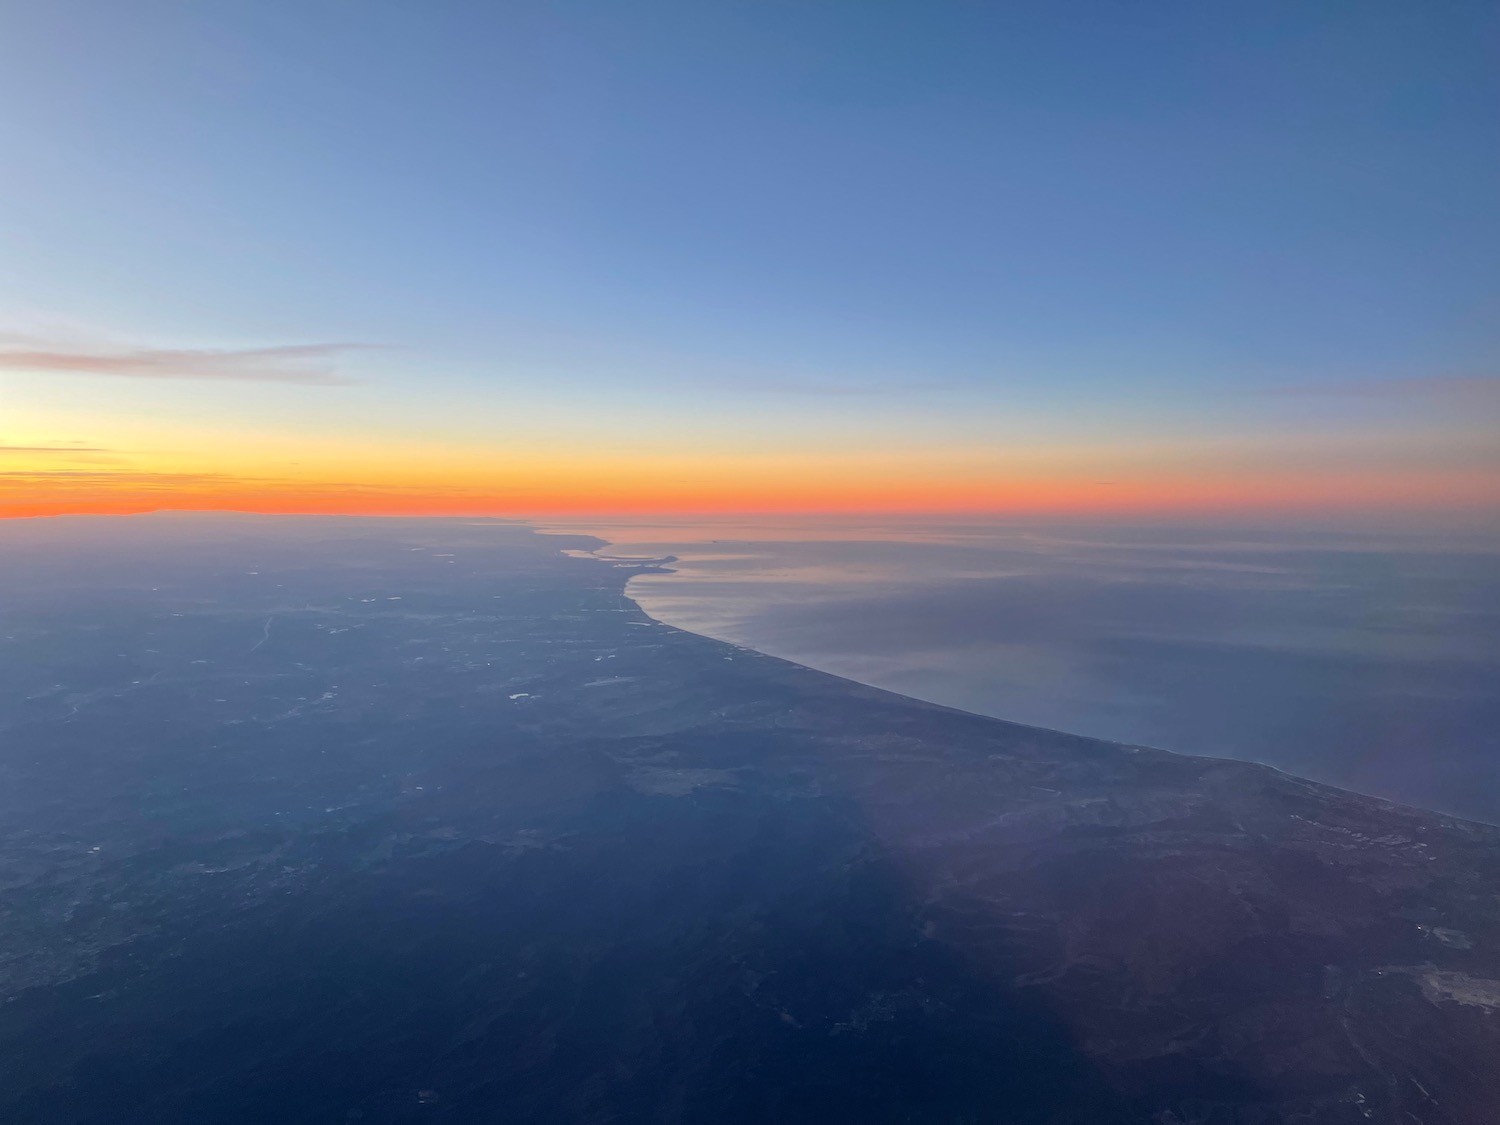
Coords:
pixel 53 449
pixel 315 364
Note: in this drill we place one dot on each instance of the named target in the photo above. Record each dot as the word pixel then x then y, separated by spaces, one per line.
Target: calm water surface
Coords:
pixel 1368 662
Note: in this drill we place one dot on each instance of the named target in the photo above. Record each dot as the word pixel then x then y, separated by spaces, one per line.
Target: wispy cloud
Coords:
pixel 95 477
pixel 53 449
pixel 834 388
pixel 315 364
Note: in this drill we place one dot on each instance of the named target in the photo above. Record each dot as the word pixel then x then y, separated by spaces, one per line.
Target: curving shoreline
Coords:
pixel 471 836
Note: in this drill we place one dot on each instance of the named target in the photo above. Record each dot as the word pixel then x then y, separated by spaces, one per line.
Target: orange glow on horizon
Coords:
pixel 119 493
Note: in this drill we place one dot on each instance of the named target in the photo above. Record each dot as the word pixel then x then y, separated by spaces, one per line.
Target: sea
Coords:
pixel 1367 660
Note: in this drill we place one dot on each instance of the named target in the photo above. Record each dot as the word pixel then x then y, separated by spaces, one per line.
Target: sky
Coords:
pixel 524 258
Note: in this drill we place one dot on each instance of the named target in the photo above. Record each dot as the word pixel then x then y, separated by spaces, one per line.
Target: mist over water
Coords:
pixel 1370 662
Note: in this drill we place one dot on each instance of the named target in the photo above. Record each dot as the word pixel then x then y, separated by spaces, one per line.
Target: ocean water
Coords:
pixel 1371 662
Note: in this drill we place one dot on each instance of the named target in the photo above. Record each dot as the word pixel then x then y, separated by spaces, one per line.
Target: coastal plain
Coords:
pixel 321 821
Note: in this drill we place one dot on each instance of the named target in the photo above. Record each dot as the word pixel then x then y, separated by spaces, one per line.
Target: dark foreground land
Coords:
pixel 318 822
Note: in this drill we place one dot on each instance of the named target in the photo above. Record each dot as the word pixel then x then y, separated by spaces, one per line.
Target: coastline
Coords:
pixel 1300 660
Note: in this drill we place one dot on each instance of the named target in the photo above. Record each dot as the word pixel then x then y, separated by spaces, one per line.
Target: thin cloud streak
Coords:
pixel 308 364
pixel 1442 388
pixel 54 449
pixel 835 389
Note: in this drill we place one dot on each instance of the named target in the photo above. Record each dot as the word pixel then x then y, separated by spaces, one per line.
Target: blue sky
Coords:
pixel 867 215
